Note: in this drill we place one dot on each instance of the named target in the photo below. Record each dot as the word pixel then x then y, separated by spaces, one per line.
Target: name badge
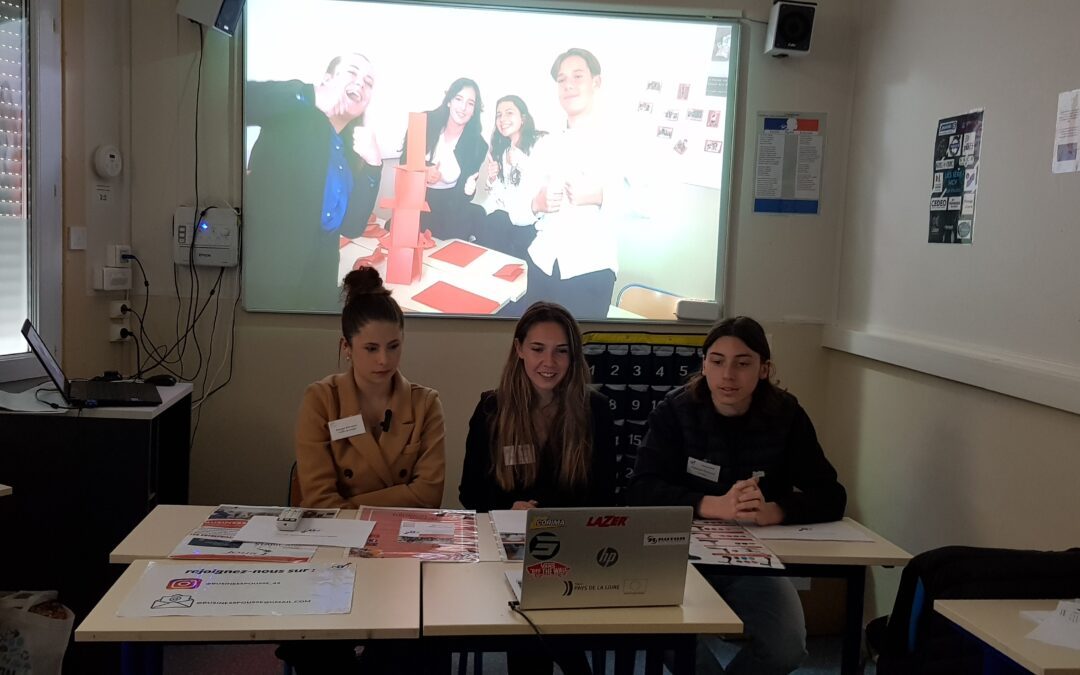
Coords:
pixel 346 427
pixel 702 469
pixel 522 454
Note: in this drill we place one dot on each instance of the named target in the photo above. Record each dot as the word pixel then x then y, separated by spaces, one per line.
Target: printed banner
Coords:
pixel 721 542
pixel 216 539
pixel 241 589
pixel 426 534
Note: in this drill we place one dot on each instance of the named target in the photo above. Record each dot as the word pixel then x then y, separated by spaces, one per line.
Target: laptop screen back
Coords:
pixel 45 356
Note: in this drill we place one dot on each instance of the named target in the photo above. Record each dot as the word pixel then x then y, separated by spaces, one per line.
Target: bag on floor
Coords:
pixel 34 633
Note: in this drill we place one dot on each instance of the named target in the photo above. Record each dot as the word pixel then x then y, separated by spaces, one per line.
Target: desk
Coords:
pixel 845 560
pixel 998 623
pixel 386 605
pixel 85 479
pixel 159 533
pixel 465 607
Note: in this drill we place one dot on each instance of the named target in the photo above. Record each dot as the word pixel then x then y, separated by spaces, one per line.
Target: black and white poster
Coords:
pixel 955 181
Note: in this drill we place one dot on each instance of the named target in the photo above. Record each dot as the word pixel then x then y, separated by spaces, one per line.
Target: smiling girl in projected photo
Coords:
pixel 543 438
pixel 509 223
pixel 454 150
pixel 734 446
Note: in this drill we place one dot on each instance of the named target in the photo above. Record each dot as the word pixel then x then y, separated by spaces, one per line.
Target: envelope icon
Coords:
pixel 173 602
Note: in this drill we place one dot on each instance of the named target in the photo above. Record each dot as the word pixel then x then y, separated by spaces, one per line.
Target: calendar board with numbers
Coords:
pixel 636 371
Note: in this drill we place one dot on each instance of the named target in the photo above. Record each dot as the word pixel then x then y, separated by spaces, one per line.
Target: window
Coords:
pixel 30 155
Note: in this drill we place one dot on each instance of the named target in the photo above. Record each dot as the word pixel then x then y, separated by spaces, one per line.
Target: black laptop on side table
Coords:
pixel 89 393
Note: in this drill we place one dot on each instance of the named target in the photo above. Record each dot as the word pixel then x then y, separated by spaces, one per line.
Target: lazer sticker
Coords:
pixel 606 521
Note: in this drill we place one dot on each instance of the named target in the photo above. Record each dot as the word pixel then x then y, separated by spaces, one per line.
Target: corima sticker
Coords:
pixel 540 523
pixel 667 539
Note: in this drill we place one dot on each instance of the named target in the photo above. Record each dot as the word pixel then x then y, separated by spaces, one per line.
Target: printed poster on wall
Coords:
pixel 955 181
pixel 787 176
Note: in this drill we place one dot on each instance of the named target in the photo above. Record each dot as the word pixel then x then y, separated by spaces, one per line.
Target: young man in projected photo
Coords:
pixel 575 254
pixel 313 176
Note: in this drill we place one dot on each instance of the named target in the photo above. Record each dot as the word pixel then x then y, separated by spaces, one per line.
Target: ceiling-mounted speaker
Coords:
pixel 223 15
pixel 790 25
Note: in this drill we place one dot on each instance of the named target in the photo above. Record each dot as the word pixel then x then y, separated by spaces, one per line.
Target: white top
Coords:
pixel 582 239
pixel 505 195
pixel 998 623
pixel 443 156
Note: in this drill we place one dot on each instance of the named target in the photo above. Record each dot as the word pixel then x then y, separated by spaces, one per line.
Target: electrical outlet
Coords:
pixel 115 311
pixel 114 330
pixel 114 255
pixel 112 278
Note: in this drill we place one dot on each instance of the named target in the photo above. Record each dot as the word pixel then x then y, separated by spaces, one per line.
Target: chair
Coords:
pixel 648 302
pixel 916 639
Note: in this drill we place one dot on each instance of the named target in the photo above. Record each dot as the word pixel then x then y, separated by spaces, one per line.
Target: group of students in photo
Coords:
pixel 543 437
pixel 550 199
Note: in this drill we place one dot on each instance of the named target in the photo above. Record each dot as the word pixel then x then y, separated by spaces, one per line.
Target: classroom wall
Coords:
pixel 783 269
pixel 933 462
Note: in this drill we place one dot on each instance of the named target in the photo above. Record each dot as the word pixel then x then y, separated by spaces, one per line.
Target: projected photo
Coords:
pixel 482 159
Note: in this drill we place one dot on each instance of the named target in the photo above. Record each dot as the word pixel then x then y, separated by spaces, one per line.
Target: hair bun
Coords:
pixel 363 281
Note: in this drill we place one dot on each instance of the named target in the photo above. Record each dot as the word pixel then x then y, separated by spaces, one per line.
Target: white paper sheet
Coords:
pixel 311 532
pixel 1062 627
pixel 509 521
pixel 241 589
pixel 835 531
pixel 1067 133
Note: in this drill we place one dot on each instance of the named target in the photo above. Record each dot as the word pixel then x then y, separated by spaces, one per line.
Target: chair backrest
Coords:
pixel 295 496
pixel 917 639
pixel 651 303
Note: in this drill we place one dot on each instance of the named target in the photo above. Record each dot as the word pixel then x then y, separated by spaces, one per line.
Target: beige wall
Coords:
pixel 929 461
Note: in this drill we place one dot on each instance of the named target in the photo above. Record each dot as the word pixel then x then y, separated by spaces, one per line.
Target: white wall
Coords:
pixel 933 462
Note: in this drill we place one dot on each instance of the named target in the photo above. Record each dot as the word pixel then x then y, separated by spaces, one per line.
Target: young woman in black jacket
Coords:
pixel 544 438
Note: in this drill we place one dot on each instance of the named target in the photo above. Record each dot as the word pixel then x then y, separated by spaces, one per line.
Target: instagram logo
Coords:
pixel 186 584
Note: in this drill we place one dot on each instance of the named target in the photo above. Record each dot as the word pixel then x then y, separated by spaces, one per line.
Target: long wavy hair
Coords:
pixel 529 134
pixel 438 117
pixel 569 440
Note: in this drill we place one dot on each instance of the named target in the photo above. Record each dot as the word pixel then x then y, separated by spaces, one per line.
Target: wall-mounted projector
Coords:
pixel 215 236
pixel 223 15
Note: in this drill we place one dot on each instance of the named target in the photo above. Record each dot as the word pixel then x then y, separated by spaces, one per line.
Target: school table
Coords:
pixel 159 532
pixel 846 560
pixel 465 607
pixel 998 623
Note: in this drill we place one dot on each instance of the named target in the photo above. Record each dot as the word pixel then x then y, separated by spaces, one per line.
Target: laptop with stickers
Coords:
pixel 596 557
